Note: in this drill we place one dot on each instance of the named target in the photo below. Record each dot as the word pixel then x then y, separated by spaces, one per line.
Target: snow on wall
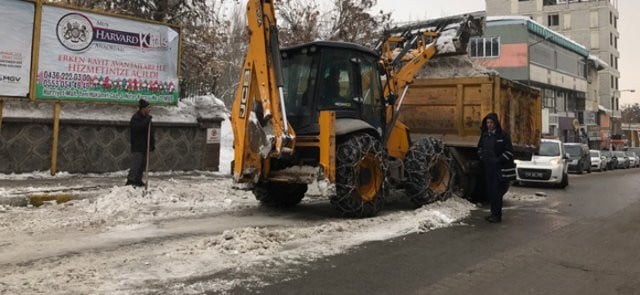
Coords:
pixel 186 111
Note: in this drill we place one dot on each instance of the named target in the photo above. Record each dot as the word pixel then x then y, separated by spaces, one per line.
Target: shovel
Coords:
pixel 146 172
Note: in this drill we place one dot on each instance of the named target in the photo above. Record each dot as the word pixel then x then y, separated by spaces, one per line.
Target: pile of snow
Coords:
pixel 187 111
pixel 172 198
pixel 453 67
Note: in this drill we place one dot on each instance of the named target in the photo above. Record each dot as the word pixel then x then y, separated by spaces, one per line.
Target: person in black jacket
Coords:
pixel 139 130
pixel 496 154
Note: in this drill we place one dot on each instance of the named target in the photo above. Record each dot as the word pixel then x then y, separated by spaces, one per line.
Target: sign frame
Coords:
pixel 39 5
pixel 32 52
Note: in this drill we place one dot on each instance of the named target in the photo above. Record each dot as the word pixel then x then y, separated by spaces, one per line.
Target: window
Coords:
pixel 336 86
pixel 611 39
pixel 484 47
pixel 371 92
pixel 612 81
pixel 615 22
pixel 613 103
pixel 617 84
pixel 566 22
pixel 610 17
pixel 594 19
pixel 615 43
pixel 611 60
pixel 595 40
pixel 549 99
pixel 553 20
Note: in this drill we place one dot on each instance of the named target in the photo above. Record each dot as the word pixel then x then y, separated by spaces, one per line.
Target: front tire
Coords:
pixel 279 194
pixel 565 180
pixel 429 173
pixel 360 176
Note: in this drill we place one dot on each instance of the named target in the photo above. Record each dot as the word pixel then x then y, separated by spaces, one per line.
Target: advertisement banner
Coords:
pixel 16 29
pixel 97 58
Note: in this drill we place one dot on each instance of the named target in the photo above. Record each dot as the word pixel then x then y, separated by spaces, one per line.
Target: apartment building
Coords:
pixel 593 24
pixel 523 50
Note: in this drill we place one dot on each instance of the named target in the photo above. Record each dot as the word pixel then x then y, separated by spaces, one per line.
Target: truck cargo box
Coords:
pixel 452 109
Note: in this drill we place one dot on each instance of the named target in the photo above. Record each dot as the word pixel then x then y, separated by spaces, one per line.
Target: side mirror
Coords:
pixel 566 156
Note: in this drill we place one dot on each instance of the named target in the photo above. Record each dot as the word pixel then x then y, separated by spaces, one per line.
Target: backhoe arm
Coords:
pixel 259 117
pixel 405 51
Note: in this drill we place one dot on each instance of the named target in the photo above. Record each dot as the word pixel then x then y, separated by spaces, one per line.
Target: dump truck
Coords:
pixel 451 110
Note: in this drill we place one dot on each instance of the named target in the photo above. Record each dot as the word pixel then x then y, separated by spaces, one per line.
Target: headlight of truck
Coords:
pixel 555 162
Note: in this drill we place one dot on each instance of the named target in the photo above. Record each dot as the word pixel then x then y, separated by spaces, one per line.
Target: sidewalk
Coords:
pixel 22 190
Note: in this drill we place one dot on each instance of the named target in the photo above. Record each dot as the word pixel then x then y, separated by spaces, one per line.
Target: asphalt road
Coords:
pixel 584 239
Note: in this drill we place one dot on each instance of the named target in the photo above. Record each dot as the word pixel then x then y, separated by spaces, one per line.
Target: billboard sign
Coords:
pixel 16 29
pixel 98 58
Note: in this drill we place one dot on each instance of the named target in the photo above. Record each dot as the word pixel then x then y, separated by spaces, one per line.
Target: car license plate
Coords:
pixel 531 174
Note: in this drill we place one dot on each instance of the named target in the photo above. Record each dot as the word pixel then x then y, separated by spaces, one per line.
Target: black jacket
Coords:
pixel 495 150
pixel 138 130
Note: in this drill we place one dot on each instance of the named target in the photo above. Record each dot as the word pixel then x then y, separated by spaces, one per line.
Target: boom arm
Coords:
pixel 259 117
pixel 406 50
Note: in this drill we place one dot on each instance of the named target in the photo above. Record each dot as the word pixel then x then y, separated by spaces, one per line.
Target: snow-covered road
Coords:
pixel 125 241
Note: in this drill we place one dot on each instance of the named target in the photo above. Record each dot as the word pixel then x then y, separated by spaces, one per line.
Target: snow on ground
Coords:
pixel 243 238
pixel 518 196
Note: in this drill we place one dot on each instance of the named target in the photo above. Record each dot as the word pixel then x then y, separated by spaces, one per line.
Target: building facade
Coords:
pixel 520 49
pixel 591 23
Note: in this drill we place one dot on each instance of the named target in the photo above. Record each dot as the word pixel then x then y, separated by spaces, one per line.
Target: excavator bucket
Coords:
pixel 454 32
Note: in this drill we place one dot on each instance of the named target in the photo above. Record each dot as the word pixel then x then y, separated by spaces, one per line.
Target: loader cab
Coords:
pixel 336 76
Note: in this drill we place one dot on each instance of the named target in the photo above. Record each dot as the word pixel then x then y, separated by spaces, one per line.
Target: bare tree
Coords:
pixel 298 21
pixel 352 22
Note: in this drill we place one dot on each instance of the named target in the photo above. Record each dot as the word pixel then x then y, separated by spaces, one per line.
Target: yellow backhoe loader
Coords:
pixel 327 112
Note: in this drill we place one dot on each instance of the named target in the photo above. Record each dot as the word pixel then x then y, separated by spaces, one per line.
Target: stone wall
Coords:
pixel 97 147
pixel 102 145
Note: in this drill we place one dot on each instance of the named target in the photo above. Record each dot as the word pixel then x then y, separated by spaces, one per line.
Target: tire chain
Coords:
pixel 348 155
pixel 426 161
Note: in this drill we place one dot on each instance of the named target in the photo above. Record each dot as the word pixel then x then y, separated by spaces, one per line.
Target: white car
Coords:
pixel 633 161
pixel 598 161
pixel 549 165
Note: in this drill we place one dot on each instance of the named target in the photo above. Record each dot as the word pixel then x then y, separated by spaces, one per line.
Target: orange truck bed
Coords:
pixel 452 109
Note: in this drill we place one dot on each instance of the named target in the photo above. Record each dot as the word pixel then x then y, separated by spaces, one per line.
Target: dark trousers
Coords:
pixel 496 189
pixel 138 165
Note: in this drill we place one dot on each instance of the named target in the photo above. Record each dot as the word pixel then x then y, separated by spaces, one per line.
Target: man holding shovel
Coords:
pixel 142 141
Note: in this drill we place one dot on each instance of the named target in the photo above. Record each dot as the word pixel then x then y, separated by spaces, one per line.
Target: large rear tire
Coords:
pixel 279 194
pixel 360 176
pixel 429 172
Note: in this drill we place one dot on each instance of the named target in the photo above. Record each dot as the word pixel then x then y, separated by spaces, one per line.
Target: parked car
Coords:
pixel 611 162
pixel 634 161
pixel 579 157
pixel 598 161
pixel 622 161
pixel 637 151
pixel 548 165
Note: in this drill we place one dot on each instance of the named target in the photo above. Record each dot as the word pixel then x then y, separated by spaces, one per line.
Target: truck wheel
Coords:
pixel 429 173
pixel 360 176
pixel 279 194
pixel 464 184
